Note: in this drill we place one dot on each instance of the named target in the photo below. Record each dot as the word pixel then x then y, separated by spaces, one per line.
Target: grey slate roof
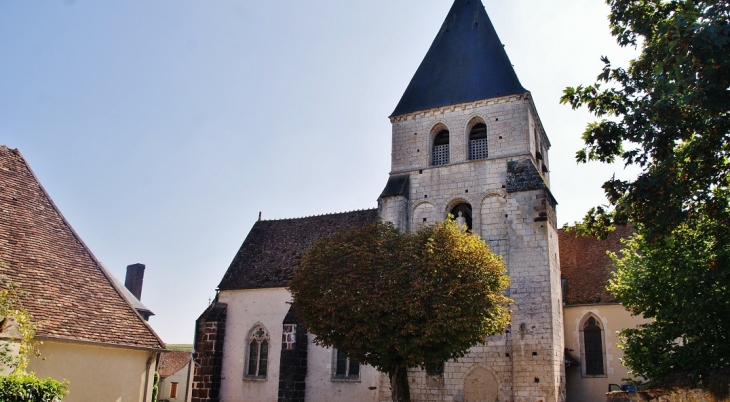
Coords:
pixel 272 249
pixel 397 185
pixel 466 62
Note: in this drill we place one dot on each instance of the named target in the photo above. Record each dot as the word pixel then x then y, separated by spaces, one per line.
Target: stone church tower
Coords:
pixel 467 140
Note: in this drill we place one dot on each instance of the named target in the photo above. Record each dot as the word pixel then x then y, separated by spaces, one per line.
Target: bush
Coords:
pixel 24 387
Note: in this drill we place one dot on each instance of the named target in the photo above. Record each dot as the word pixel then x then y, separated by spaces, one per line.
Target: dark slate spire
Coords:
pixel 465 63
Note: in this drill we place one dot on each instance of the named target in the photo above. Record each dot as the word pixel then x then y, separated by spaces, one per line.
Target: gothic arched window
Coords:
pixel 257 353
pixel 440 150
pixel 593 355
pixel 478 147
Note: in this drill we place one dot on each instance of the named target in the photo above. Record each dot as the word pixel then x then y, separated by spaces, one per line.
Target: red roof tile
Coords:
pixel 70 293
pixel 172 362
pixel 587 267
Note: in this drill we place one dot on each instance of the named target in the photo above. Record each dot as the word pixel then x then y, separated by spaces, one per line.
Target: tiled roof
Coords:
pixel 586 266
pixel 272 249
pixel 466 63
pixel 71 295
pixel 171 362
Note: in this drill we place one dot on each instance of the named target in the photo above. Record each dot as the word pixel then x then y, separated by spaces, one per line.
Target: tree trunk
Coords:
pixel 399 382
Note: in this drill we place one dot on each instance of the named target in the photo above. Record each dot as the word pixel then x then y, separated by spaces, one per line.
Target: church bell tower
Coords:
pixel 467 140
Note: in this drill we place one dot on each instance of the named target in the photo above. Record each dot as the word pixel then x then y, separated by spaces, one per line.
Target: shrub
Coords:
pixel 26 387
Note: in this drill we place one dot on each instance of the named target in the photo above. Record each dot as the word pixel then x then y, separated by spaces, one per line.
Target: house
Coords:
pixel 466 140
pixel 90 334
pixel 175 369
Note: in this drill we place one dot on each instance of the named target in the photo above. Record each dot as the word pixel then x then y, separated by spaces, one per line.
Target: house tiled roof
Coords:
pixel 171 362
pixel 71 295
pixel 586 266
pixel 272 249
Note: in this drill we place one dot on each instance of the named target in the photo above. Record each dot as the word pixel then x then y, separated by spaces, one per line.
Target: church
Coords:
pixel 466 140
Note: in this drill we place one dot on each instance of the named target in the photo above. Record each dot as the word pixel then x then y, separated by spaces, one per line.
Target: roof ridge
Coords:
pixel 318 215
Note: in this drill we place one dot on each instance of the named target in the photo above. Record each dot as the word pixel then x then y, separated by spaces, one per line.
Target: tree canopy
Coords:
pixel 669 114
pixel 394 300
pixel 681 282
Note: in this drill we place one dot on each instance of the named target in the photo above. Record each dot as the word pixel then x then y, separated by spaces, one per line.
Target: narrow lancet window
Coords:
pixel 440 152
pixel 593 346
pixel 478 147
pixel 258 353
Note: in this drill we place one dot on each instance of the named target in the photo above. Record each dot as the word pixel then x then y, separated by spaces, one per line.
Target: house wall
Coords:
pixel 183 378
pixel 96 373
pixel 321 388
pixel 614 318
pixel 269 307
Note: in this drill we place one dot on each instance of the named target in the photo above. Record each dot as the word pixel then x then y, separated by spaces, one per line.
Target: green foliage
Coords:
pixel 395 300
pixel 681 281
pixel 23 387
pixel 156 386
pixel 666 113
pixel 11 306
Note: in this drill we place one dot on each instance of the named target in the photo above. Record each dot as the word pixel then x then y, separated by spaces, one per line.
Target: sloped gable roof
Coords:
pixel 586 266
pixel 71 295
pixel 272 249
pixel 466 63
pixel 172 362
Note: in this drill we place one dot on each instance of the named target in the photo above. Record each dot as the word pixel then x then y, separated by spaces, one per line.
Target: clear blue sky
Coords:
pixel 161 128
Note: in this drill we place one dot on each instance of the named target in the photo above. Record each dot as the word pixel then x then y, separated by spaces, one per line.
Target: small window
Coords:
pixel 258 353
pixel 440 151
pixel 345 369
pixel 478 146
pixel 173 390
pixel 289 336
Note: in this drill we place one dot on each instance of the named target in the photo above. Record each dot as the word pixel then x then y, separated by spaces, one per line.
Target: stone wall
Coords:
pixel 513 210
pixel 210 330
pixel 293 364
pixel 664 395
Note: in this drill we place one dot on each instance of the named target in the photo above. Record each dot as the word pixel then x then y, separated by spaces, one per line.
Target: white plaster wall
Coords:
pixel 321 388
pixel 614 318
pixel 183 378
pixel 269 307
pixel 96 373
pixel 245 309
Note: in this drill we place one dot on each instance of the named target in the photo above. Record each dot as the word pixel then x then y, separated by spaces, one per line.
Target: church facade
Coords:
pixel 466 140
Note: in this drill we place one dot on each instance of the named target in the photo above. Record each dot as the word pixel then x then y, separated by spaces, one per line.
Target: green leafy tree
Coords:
pixel 393 300
pixel 669 114
pixel 682 283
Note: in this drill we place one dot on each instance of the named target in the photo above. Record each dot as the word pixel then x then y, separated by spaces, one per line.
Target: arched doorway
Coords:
pixel 465 210
pixel 481 386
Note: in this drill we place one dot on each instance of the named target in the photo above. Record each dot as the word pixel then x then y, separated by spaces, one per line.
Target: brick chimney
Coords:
pixel 133 281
